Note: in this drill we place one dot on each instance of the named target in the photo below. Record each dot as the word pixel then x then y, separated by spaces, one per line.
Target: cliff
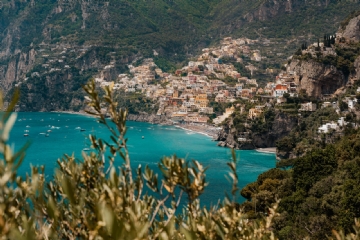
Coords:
pixel 150 118
pixel 15 68
pixel 34 35
pixel 351 32
pixel 280 126
pixel 316 78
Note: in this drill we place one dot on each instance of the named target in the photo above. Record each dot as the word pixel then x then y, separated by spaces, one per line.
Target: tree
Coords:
pixel 94 199
pixel 343 105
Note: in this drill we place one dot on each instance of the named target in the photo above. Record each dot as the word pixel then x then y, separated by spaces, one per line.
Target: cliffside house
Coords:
pixel 308 107
pixel 254 113
pixel 279 90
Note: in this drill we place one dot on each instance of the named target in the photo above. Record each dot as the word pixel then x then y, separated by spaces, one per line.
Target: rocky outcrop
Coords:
pixel 356 75
pixel 16 68
pixel 281 126
pixel 352 30
pixel 150 118
pixel 227 138
pixel 316 78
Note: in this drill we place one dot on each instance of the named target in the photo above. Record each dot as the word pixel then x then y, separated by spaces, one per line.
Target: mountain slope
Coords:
pixel 170 25
pixel 98 33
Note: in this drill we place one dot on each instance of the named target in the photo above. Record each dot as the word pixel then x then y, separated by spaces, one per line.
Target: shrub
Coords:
pixel 93 199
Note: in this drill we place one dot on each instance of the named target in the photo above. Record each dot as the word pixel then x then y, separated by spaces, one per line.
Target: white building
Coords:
pixel 327 127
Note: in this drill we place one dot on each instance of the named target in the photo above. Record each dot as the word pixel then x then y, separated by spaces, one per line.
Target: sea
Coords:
pixel 51 135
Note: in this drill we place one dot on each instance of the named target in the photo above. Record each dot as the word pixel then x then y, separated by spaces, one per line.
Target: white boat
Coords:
pixel 26 135
pixel 86 149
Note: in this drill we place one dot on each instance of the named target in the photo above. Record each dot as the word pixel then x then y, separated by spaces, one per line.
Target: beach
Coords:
pixel 204 129
pixel 201 128
pixel 267 150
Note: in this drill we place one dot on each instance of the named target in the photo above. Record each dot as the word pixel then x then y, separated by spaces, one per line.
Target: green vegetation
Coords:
pixel 304 135
pixel 263 123
pixel 344 59
pixel 319 193
pixel 173 28
pixel 135 103
pixel 92 198
pixel 346 21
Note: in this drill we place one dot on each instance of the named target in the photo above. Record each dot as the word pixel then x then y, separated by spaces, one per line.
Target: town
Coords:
pixel 186 94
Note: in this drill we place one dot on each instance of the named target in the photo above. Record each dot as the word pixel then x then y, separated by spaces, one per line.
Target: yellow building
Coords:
pixel 201 100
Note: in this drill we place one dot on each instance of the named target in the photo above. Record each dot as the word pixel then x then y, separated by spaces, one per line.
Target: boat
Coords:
pixel 46 135
pixel 86 149
pixel 27 126
pixel 142 137
pixel 49 130
pixel 26 135
pixel 82 130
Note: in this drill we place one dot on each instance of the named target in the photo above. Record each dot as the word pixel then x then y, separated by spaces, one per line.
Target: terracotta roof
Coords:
pixel 280 87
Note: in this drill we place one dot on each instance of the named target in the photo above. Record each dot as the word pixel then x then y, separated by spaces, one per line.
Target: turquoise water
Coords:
pixel 159 141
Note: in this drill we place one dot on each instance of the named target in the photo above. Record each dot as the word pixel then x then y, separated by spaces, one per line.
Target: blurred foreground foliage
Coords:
pixel 94 199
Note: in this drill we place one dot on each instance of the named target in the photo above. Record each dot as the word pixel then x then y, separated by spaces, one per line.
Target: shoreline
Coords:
pixel 206 130
pixel 74 113
pixel 271 150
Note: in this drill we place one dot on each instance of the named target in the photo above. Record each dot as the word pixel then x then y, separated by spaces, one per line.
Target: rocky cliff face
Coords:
pixel 150 118
pixel 16 68
pixel 227 138
pixel 356 75
pixel 317 79
pixel 280 127
pixel 272 8
pixel 352 30
pixel 29 27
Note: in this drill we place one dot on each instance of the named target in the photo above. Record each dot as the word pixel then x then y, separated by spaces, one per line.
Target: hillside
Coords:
pixel 100 33
pixel 317 174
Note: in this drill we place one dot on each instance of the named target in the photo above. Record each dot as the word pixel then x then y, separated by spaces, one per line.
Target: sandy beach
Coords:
pixel 267 150
pixel 207 130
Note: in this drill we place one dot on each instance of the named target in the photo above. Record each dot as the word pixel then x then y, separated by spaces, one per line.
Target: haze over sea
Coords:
pixel 159 141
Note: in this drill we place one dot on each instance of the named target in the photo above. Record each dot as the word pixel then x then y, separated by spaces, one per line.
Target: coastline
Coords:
pixel 206 130
pixel 271 150
pixel 82 113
